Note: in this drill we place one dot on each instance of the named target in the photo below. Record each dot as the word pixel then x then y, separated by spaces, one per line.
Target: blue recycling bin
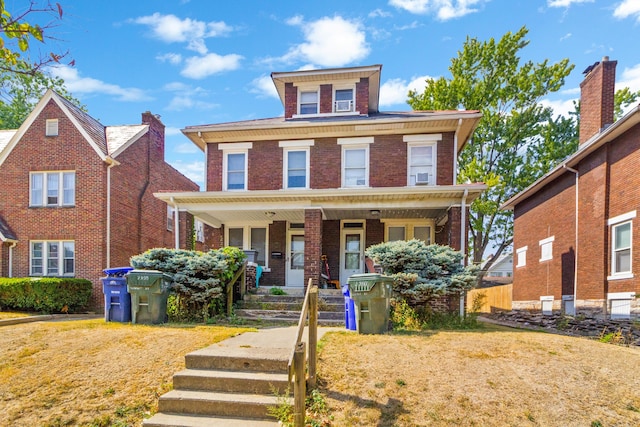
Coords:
pixel 349 310
pixel 117 300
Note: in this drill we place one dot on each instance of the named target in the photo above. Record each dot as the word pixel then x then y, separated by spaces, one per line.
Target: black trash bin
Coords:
pixel 117 300
pixel 149 291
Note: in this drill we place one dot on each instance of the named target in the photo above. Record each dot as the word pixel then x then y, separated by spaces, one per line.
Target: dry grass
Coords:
pixel 495 377
pixel 89 372
pixel 13 315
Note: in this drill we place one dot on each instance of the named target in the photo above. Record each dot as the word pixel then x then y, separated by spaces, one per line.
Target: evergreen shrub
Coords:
pixel 45 295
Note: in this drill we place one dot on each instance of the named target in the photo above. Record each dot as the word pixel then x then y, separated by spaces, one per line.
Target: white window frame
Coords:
pixel 352 105
pixel 614 223
pixel 298 145
pixel 409 228
pixel 546 249
pixel 235 148
pixel 198 227
pixel 348 144
pixel 170 217
pixel 51 128
pixel 521 256
pixel 60 258
pixel 246 237
pixel 302 90
pixel 424 140
pixel 60 192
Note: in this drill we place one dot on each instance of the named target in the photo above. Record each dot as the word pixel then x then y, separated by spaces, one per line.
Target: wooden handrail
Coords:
pixel 243 287
pixel 297 362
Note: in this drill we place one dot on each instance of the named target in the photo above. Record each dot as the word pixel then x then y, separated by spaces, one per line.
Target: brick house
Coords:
pixel 77 196
pixel 574 239
pixel 331 177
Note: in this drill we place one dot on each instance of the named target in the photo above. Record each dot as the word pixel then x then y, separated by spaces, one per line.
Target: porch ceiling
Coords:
pixel 224 207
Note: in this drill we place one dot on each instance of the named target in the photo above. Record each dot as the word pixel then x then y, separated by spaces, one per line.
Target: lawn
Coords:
pixel 94 373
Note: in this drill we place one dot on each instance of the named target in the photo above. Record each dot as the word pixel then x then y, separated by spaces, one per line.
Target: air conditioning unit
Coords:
pixel 342 106
pixel 422 178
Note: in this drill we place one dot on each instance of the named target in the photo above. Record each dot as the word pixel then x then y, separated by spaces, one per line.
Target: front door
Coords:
pixel 295 258
pixel 351 253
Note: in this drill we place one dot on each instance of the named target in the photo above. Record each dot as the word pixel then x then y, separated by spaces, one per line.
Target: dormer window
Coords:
pixel 343 102
pixel 309 102
pixel 52 127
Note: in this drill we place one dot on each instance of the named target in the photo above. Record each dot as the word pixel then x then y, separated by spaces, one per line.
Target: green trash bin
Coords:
pixel 149 291
pixel 371 294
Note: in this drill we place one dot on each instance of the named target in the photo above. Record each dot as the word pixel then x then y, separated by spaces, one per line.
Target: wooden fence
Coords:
pixel 493 298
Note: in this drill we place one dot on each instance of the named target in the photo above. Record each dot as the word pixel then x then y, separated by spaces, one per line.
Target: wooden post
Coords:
pixel 243 283
pixel 313 335
pixel 299 386
pixel 229 299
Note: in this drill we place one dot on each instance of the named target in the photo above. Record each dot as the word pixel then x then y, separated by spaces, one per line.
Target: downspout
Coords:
pixel 13 244
pixel 575 263
pixel 463 241
pixel 455 152
pixel 142 193
pixel 176 224
pixel 111 163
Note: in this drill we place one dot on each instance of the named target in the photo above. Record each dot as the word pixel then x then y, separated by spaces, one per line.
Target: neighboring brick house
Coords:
pixel 331 177
pixel 77 196
pixel 584 255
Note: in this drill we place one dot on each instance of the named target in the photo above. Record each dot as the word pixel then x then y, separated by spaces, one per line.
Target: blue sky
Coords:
pixel 197 62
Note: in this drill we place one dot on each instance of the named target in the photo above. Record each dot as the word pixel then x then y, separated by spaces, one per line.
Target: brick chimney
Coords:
pixel 596 98
pixel 156 135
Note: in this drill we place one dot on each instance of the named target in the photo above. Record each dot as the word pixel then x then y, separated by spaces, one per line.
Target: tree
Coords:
pixel 18 35
pixel 516 138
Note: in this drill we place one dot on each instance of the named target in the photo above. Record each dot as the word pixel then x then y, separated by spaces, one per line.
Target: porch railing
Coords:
pixel 297 361
pixel 242 274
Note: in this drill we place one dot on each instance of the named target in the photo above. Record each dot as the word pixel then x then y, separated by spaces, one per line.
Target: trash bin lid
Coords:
pixel 117 271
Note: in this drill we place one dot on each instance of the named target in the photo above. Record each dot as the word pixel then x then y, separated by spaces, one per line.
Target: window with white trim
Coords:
pixel 521 256
pixel 199 230
pixel 52 258
pixel 308 102
pixel 403 230
pixel 51 127
pixel 170 219
pixel 421 158
pixel 343 100
pixel 296 168
pixel 52 188
pixel 546 248
pixel 621 245
pixel 249 238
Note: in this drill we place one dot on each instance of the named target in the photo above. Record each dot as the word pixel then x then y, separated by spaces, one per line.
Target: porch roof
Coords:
pixel 265 206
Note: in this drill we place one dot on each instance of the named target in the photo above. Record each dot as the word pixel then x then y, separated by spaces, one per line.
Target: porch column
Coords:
pixel 312 245
pixel 455 229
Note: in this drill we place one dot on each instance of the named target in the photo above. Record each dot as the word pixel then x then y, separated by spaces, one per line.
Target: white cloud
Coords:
pixel 565 37
pixel 395 91
pixel 561 107
pixel 193 170
pixel 379 13
pixel 171 29
pixel 566 3
pixel 171 131
pixel 444 9
pixel 628 8
pixel 199 67
pixel 188 97
pixel 172 58
pixel 630 78
pixel 329 42
pixel 263 86
pixel 77 84
pixel 187 148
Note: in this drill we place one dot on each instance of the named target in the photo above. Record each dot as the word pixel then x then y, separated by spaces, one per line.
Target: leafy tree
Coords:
pixel 516 139
pixel 17 36
pixel 422 272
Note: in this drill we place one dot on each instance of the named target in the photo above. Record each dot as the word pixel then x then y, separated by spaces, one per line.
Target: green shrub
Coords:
pixel 45 295
pixel 200 279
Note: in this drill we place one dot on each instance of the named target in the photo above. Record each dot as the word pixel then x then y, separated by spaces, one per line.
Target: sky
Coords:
pixel 196 62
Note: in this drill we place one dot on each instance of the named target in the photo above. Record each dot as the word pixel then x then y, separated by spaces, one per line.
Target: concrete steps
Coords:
pixel 227 385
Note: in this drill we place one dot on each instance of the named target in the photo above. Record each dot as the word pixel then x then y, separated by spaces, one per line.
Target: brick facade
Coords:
pixel 596 98
pixel 138 220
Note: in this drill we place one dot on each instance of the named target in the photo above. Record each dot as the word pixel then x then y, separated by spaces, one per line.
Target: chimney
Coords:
pixel 156 134
pixel 596 98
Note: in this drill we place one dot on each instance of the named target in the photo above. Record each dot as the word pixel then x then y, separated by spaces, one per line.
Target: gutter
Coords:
pixel 463 241
pixel 575 262
pixel 111 163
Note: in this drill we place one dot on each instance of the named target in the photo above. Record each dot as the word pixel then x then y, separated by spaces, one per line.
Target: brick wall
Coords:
pixel 388 161
pixel 597 99
pixel 325 157
pixel 312 245
pixel 214 168
pixel 326 98
pixel 290 100
pixel 265 166
pixel 446 152
pixel 375 232
pixel 362 96
pixel 331 246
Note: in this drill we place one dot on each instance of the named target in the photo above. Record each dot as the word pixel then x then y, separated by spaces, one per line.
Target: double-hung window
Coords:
pixel 235 165
pixel 309 102
pixel 546 248
pixel 407 230
pixel 199 230
pixel 52 258
pixel 170 219
pixel 249 238
pixel 621 245
pixel 355 161
pixel 343 101
pixel 295 156
pixel 52 189
pixel 521 256
pixel 421 159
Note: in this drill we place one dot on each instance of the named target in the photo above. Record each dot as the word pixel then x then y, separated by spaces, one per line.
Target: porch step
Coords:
pixel 178 420
pixel 230 381
pixel 209 403
pixel 324 317
pixel 257 304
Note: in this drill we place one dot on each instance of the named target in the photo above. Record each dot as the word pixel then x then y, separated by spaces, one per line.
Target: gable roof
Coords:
pixel 121 137
pixel 6 234
pixel 631 119
pixel 5 137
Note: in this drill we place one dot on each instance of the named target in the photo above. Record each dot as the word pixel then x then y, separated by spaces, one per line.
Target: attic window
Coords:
pixel 309 102
pixel 343 101
pixel 52 127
